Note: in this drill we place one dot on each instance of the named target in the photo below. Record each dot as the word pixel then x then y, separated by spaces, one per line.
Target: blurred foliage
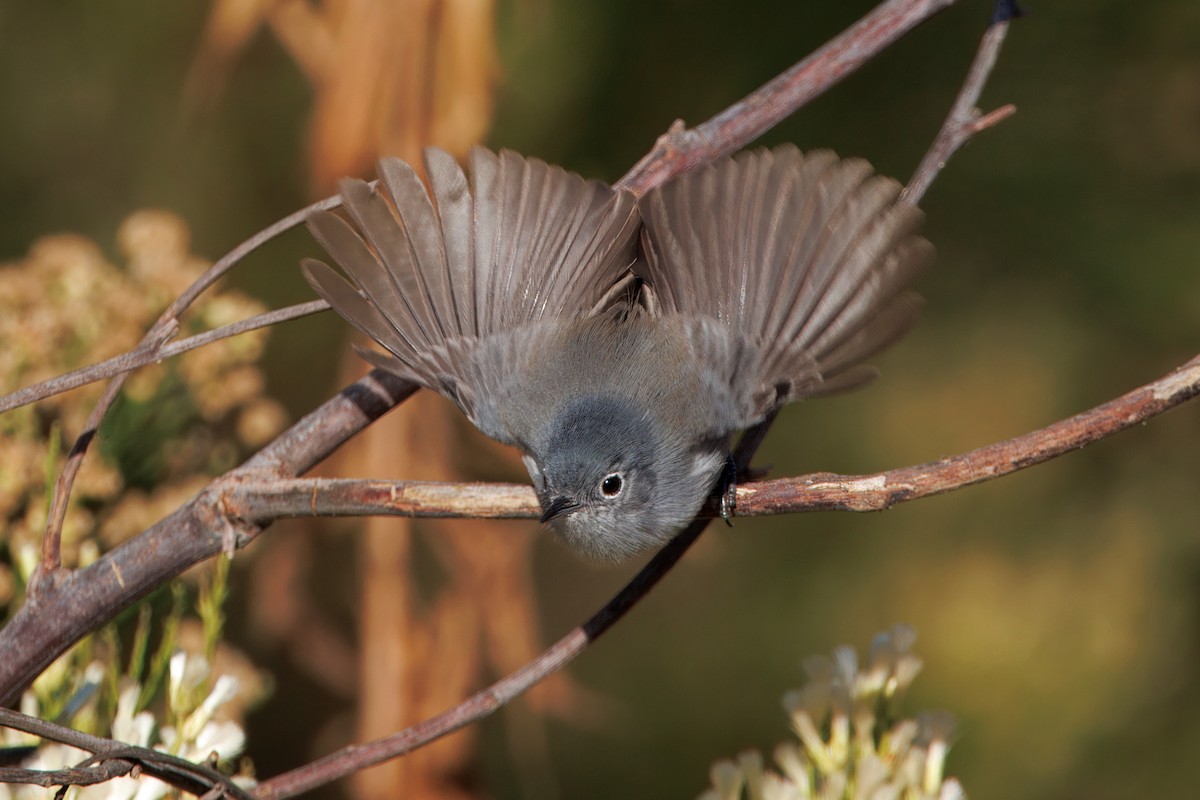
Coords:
pixel 174 426
pixel 851 740
pixel 172 699
pixel 1057 607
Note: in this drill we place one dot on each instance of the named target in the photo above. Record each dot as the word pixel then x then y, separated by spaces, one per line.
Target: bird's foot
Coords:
pixel 728 490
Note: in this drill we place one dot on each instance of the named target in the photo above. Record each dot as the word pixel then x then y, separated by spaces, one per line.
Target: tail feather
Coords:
pixel 805 256
pixel 505 251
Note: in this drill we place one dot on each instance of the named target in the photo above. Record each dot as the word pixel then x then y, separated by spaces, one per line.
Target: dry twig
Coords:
pixel 111 760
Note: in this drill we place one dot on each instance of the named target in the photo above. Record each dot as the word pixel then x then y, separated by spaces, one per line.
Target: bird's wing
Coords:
pixel 803 258
pixel 494 260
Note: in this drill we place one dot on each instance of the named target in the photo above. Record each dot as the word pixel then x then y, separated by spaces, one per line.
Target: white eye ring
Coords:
pixel 612 485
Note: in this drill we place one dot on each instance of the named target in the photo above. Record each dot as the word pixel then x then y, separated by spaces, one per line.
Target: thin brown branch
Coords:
pixel 85 776
pixel 163 329
pixel 282 498
pixel 110 759
pixel 347 497
pixel 52 536
pixel 235 256
pixel 681 149
pixel 483 703
pixel 964 119
pixel 148 353
pixel 886 489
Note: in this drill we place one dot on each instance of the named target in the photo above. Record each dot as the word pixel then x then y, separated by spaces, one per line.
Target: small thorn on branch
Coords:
pixel 994 117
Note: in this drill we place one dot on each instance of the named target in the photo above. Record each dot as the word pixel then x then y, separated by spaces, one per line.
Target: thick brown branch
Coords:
pixel 70 604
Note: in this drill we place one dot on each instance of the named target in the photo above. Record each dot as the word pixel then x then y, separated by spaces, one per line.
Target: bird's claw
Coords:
pixel 728 491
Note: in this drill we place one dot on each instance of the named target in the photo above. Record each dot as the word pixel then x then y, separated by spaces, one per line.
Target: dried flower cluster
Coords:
pixel 851 743
pixel 65 306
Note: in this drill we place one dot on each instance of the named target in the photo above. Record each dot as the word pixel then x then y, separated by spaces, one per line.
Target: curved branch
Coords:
pixel 110 759
pixel 483 703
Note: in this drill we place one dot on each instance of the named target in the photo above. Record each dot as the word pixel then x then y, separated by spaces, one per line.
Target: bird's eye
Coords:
pixel 612 484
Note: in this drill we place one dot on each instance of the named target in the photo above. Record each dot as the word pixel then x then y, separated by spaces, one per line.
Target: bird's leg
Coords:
pixel 728 486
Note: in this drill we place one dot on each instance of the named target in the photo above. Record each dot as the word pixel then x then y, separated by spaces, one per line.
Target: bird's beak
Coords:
pixel 559 505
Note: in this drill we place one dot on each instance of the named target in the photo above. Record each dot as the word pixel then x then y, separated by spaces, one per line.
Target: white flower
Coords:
pixel 187 673
pixel 726 780
pixel 127 727
pixel 224 691
pixel 226 739
pixel 790 759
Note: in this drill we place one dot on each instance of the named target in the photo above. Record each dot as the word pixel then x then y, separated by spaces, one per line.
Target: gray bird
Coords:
pixel 518 291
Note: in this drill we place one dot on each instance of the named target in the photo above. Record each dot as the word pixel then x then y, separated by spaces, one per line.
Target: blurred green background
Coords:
pixel 1057 608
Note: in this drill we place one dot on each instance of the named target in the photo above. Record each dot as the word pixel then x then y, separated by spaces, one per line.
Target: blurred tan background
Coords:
pixel 1057 609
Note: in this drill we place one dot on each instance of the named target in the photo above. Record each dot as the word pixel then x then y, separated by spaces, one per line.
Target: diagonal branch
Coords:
pixel 827 492
pixel 965 120
pixel 162 331
pixel 681 149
